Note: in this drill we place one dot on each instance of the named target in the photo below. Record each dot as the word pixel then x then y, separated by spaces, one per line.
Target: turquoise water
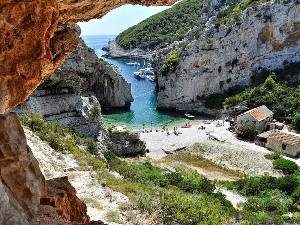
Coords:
pixel 143 108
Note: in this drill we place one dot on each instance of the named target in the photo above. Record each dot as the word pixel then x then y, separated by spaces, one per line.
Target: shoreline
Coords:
pixel 114 51
pixel 233 153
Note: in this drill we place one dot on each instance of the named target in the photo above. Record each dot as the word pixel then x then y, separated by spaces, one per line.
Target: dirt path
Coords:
pixel 102 202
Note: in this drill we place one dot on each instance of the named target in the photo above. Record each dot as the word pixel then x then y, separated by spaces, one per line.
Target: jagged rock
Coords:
pixel 115 51
pixel 21 182
pixel 72 94
pixel 62 196
pixel 38 35
pixel 266 37
pixel 125 143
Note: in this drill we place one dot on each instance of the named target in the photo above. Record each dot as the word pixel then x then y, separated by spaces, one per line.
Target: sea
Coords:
pixel 143 110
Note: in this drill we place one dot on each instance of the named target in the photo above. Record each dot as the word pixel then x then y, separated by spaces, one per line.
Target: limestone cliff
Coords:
pixel 74 92
pixel 267 36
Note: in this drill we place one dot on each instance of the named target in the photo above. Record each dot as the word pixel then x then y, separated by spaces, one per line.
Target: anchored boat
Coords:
pixel 133 64
pixel 189 116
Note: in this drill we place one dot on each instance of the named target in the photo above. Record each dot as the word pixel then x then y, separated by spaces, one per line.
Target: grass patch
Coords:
pixel 181 196
pixel 232 13
pixel 113 217
pixel 65 140
pixel 202 163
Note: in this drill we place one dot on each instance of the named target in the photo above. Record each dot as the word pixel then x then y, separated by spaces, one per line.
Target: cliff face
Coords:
pixel 83 72
pixel 266 37
pixel 73 94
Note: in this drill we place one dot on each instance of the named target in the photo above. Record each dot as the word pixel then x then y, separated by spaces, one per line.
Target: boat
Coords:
pixel 189 116
pixel 213 136
pixel 186 126
pixel 151 78
pixel 148 71
pixel 139 74
pixel 133 64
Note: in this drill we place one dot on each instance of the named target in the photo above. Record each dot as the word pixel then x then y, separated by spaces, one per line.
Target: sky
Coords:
pixel 119 19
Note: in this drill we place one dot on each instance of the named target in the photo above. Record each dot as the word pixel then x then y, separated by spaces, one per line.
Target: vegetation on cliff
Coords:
pixel 281 98
pixel 271 200
pixel 163 28
pixel 232 13
pixel 170 63
pixel 181 196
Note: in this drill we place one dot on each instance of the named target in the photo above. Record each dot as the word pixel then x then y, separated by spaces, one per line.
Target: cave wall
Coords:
pixel 37 36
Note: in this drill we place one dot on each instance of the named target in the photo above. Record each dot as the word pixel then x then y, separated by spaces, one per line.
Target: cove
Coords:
pixel 143 108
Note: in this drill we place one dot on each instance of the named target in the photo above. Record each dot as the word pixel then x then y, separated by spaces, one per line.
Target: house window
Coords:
pixel 283 146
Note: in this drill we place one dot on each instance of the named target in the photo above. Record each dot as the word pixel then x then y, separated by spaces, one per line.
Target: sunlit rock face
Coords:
pixel 267 37
pixel 21 182
pixel 37 36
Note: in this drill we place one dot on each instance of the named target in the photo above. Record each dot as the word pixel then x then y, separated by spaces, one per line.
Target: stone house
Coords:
pixel 288 142
pixel 261 116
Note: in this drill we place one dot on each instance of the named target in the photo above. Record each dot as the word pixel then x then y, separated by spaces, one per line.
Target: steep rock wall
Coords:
pixel 23 187
pixel 267 37
pixel 74 92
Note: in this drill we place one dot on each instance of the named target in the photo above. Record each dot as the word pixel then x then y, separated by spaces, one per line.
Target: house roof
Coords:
pixel 288 138
pixel 259 113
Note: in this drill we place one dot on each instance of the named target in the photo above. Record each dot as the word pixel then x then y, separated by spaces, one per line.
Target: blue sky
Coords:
pixel 119 19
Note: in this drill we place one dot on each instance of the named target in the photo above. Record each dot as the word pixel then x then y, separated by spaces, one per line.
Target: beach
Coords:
pixel 231 152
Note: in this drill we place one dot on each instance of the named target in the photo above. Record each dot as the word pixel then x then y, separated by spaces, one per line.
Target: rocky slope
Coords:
pixel 26 197
pixel 102 202
pixel 267 36
pixel 113 50
pixel 74 92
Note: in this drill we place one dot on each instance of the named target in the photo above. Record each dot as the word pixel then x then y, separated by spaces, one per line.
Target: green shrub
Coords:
pixel 274 155
pixel 35 122
pixel 192 182
pixel 95 112
pixel 250 186
pixel 296 196
pixel 170 63
pixel 267 208
pixel 246 130
pixel 91 146
pixel 287 166
pixel 296 121
pixel 288 184
pixel 209 42
pixel 109 156
pixel 188 209
pixel 164 27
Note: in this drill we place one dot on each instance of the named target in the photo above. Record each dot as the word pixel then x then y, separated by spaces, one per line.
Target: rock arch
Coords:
pixel 38 35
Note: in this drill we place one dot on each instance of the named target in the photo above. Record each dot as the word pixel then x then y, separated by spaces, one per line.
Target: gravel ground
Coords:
pixel 233 153
pixel 102 202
